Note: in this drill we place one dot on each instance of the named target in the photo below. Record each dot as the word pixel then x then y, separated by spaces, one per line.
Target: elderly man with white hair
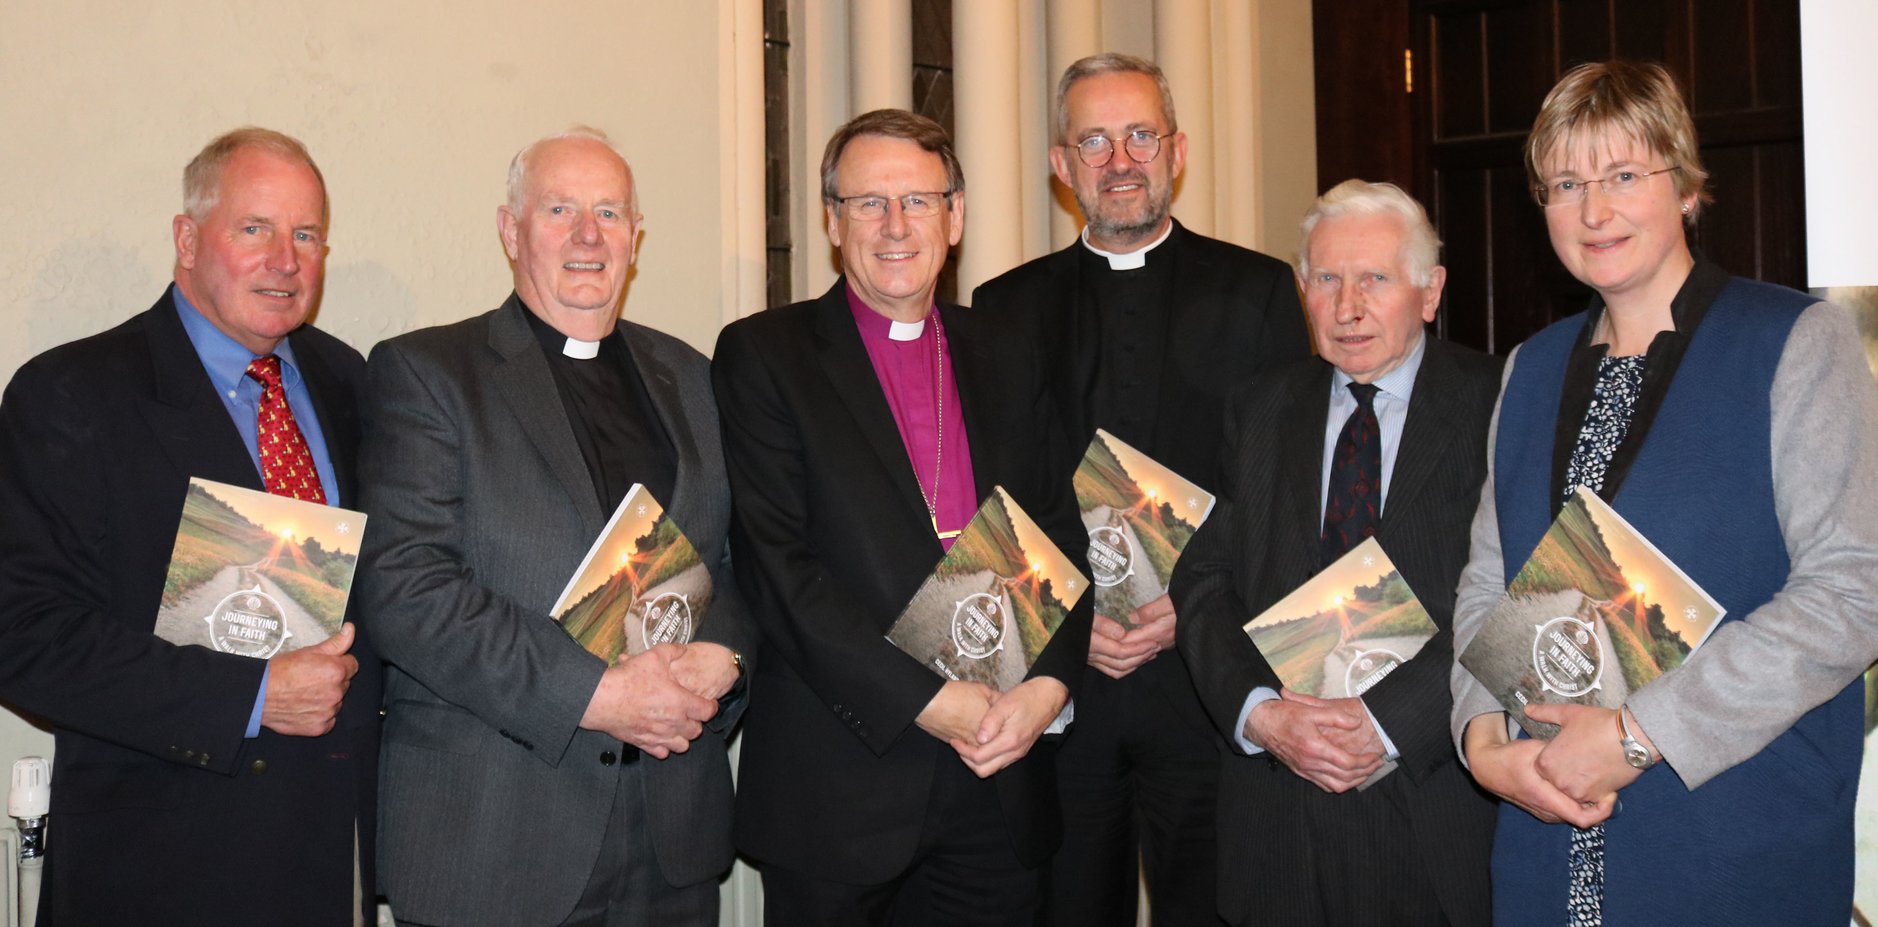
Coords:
pixel 525 780
pixel 1382 435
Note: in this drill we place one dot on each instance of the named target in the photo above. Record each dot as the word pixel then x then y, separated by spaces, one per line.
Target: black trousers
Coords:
pixel 964 871
pixel 1137 774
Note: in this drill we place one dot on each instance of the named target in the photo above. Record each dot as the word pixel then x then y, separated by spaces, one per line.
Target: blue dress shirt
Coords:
pixel 226 361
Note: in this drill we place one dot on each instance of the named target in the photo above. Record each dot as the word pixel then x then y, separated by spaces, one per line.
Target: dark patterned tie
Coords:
pixel 286 463
pixel 1353 506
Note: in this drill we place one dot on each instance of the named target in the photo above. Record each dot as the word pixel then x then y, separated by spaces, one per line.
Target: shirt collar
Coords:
pixel 1399 382
pixel 1131 260
pixel 223 358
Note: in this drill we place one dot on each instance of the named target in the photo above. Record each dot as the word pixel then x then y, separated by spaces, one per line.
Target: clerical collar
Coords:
pixel 1132 260
pixel 553 343
pixel 877 325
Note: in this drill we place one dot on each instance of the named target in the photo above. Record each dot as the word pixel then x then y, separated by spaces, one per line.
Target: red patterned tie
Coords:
pixel 286 463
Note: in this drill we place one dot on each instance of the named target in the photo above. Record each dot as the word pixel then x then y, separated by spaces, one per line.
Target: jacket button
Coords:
pixel 189 754
pixel 258 767
pixel 608 759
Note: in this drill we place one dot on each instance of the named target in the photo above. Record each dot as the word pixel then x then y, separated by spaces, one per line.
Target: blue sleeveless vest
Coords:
pixel 1769 841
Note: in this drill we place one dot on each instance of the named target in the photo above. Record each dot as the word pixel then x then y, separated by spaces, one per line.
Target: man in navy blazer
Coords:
pixel 189 786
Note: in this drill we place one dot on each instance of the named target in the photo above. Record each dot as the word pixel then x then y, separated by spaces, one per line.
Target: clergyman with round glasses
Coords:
pixel 1149 326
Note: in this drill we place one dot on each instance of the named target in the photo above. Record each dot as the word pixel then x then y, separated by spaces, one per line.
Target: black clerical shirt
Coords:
pixel 1131 327
pixel 619 433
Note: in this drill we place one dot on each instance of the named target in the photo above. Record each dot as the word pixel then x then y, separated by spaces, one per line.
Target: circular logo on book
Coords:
pixel 1567 657
pixel 667 619
pixel 1111 559
pixel 1368 668
pixel 248 622
pixel 978 625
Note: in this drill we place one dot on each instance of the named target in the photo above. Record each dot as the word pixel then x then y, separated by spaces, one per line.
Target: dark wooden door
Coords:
pixel 1480 70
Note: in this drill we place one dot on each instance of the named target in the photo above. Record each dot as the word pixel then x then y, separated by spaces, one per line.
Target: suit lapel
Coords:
pixel 191 425
pixel 1426 434
pixel 1300 482
pixel 522 378
pixel 662 387
pixel 332 404
pixel 975 372
pixel 843 359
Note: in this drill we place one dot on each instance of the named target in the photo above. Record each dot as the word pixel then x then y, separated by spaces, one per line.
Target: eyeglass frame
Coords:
pixel 945 197
pixel 1084 158
pixel 1539 192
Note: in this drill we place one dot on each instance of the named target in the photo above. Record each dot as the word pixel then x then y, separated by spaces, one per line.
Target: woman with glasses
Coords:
pixel 1735 424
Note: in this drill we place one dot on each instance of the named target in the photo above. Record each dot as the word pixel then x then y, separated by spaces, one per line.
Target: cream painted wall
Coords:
pixel 412 110
pixel 1287 124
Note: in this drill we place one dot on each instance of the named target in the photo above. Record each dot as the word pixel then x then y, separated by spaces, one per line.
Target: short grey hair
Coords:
pixel 518 166
pixel 892 123
pixel 202 178
pixel 1110 63
pixel 1421 247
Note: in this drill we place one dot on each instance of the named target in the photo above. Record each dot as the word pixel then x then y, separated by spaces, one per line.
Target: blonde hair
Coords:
pixel 1635 100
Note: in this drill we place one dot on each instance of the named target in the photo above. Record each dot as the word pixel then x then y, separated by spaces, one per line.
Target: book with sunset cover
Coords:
pixel 992 604
pixel 1345 629
pixel 641 584
pixel 256 574
pixel 1596 612
pixel 1139 515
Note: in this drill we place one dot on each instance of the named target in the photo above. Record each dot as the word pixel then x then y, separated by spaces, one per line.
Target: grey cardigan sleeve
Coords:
pixel 1482 584
pixel 1754 678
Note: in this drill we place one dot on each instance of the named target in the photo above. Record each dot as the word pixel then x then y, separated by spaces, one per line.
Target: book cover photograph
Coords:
pixel 1140 516
pixel 992 604
pixel 1345 629
pixel 257 574
pixel 642 584
pixel 1594 614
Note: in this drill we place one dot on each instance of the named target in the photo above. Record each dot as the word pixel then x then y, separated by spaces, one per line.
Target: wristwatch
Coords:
pixel 1635 753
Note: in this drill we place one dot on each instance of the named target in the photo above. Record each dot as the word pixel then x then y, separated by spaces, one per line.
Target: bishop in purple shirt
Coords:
pixel 861 430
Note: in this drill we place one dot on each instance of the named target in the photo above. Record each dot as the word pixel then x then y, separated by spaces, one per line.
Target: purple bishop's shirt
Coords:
pixel 905 371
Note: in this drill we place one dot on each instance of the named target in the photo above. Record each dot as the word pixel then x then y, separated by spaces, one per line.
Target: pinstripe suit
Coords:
pixel 1412 848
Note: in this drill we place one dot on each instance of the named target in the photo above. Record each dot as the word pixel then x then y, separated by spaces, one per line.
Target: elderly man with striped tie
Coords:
pixel 190 786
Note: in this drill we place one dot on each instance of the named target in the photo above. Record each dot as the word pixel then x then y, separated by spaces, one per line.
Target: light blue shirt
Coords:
pixel 1391 406
pixel 226 361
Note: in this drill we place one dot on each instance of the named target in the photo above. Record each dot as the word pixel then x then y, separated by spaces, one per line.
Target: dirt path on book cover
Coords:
pixel 184 624
pixel 1002 669
pixel 1141 586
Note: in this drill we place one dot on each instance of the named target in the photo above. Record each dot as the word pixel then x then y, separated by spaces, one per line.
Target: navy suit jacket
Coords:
pixel 162 811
